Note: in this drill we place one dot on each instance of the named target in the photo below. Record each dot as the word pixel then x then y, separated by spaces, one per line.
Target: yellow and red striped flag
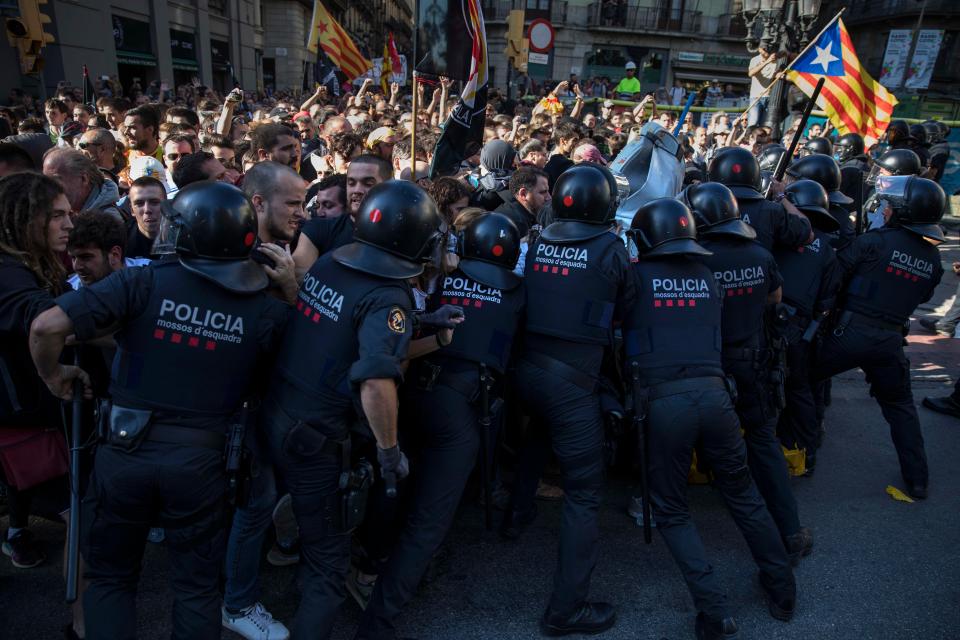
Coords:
pixel 386 69
pixel 327 34
pixel 853 100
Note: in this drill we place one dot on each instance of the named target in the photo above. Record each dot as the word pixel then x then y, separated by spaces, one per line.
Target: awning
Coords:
pixel 134 57
pixel 707 77
pixel 185 65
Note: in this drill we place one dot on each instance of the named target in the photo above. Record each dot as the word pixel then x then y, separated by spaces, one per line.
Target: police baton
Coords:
pixel 640 402
pixel 786 157
pixel 73 524
pixel 484 447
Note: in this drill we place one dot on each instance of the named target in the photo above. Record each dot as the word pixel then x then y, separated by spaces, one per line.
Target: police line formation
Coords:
pixel 716 318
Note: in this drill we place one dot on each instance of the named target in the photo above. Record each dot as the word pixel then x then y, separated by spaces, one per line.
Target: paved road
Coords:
pixel 881 569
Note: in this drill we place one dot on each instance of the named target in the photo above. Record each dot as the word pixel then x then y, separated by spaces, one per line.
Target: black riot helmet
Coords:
pixel 917 203
pixel 895 162
pixel 934 132
pixel 824 170
pixel 398 229
pixel 489 248
pixel 212 227
pixel 766 177
pixel 739 170
pixel 715 211
pixel 770 155
pixel 818 144
pixel 919 134
pixel 665 227
pixel 898 131
pixel 584 202
pixel 848 147
pixel 811 198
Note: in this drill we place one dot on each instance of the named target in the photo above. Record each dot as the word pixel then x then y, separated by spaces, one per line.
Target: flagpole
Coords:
pixel 413 130
pixel 787 68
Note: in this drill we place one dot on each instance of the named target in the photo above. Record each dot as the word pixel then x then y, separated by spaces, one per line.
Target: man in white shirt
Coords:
pixel 762 71
pixel 677 94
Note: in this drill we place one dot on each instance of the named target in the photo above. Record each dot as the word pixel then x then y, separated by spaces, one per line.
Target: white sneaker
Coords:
pixel 254 623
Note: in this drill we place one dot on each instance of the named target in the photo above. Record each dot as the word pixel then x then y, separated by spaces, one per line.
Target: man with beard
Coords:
pixel 321 235
pixel 328 197
pixel 99 146
pixel 277 143
pixel 96 248
pixel 140 131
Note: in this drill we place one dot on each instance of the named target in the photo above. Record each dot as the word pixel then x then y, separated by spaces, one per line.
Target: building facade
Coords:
pixel 255 43
pixel 669 40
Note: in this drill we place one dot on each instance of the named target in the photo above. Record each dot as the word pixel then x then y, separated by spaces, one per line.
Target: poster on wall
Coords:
pixel 895 58
pixel 924 59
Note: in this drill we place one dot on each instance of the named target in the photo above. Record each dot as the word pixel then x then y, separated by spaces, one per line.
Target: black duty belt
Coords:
pixel 748 355
pixel 855 319
pixel 562 369
pixel 171 434
pixel 675 387
pixel 461 382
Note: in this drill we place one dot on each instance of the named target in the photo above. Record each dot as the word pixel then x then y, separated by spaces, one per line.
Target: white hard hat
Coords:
pixel 630 65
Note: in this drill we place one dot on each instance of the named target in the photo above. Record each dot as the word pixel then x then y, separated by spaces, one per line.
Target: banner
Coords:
pixel 895 59
pixel 397 75
pixel 444 32
pixel 924 58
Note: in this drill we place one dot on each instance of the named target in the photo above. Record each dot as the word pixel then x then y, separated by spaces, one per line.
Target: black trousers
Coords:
pixel 574 418
pixel 706 418
pixel 441 436
pixel 765 458
pixel 311 474
pixel 879 353
pixel 180 488
pixel 797 426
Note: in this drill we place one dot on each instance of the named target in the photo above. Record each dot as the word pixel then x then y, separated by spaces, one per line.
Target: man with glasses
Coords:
pixel 175 147
pixel 99 145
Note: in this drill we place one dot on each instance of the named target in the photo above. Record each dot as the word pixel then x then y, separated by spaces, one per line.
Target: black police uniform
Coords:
pixel 187 352
pixel 441 434
pixel 747 273
pixel 327 234
pixel 519 215
pixel 853 174
pixel 348 327
pixel 575 290
pixel 811 279
pixel 672 343
pixel 888 273
pixel 774 226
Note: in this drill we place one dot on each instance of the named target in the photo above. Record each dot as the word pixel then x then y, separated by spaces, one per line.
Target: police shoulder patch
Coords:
pixel 397 320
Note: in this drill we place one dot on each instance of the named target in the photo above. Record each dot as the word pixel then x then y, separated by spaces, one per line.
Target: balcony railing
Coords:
pixel 866 10
pixel 498 10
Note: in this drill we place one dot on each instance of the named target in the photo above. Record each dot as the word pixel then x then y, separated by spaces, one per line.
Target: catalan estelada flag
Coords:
pixel 386 69
pixel 854 101
pixel 327 34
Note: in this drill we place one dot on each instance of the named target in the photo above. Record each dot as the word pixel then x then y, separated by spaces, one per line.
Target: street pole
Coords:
pixel 778 95
pixel 913 42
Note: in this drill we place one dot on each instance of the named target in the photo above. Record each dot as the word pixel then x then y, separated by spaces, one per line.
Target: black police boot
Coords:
pixel 917 489
pixel 590 618
pixel 810 463
pixel 947 405
pixel 799 545
pixel 780 606
pixel 708 629
pixel 515 522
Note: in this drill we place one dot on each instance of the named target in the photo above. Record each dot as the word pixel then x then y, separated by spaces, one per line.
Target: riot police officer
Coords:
pixel 887 274
pixel 749 281
pixel 850 153
pixel 918 143
pixel 672 357
pixel 343 352
pixel 446 409
pixel 770 156
pixel 817 144
pixel 577 281
pixel 825 171
pixel 739 170
pixel 938 147
pixel 207 318
pixel 810 283
pixel 894 162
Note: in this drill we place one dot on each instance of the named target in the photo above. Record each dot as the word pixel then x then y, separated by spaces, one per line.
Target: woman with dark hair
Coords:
pixel 34 228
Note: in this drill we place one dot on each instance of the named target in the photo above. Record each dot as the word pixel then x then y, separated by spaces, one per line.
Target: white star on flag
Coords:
pixel 824 57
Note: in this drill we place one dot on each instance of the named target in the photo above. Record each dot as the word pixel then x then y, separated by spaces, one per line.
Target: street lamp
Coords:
pixel 782 26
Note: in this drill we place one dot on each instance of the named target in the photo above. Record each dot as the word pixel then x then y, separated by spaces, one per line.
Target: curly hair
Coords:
pixel 26 206
pixel 346 144
pixel 445 191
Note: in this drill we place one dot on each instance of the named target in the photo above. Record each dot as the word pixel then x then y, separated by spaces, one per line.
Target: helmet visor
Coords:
pixel 170 224
pixel 892 187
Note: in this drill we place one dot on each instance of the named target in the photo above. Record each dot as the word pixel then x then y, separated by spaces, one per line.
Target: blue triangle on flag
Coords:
pixel 825 56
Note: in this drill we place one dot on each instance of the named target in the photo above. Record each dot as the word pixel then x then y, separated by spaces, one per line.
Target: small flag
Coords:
pixel 395 61
pixel 853 100
pixel 462 134
pixel 327 34
pixel 89 93
pixel 386 69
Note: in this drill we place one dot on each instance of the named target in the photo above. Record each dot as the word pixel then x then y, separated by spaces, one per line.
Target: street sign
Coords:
pixel 538 58
pixel 541 35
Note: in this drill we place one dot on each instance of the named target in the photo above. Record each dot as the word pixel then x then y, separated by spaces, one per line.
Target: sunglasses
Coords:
pixel 173 157
pixel 84 145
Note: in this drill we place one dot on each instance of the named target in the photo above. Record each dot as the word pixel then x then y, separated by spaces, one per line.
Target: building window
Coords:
pixel 217 7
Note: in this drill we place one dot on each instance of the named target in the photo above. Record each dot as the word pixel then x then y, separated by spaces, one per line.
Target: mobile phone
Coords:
pixel 260 257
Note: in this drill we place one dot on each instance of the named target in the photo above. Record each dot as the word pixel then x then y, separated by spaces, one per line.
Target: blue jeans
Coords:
pixel 758 112
pixel 250 525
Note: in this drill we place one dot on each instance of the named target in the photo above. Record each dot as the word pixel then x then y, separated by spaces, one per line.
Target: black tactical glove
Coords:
pixel 393 467
pixel 442 318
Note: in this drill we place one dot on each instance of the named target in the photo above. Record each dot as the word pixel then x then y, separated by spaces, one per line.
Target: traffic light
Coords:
pixel 517 46
pixel 27 34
